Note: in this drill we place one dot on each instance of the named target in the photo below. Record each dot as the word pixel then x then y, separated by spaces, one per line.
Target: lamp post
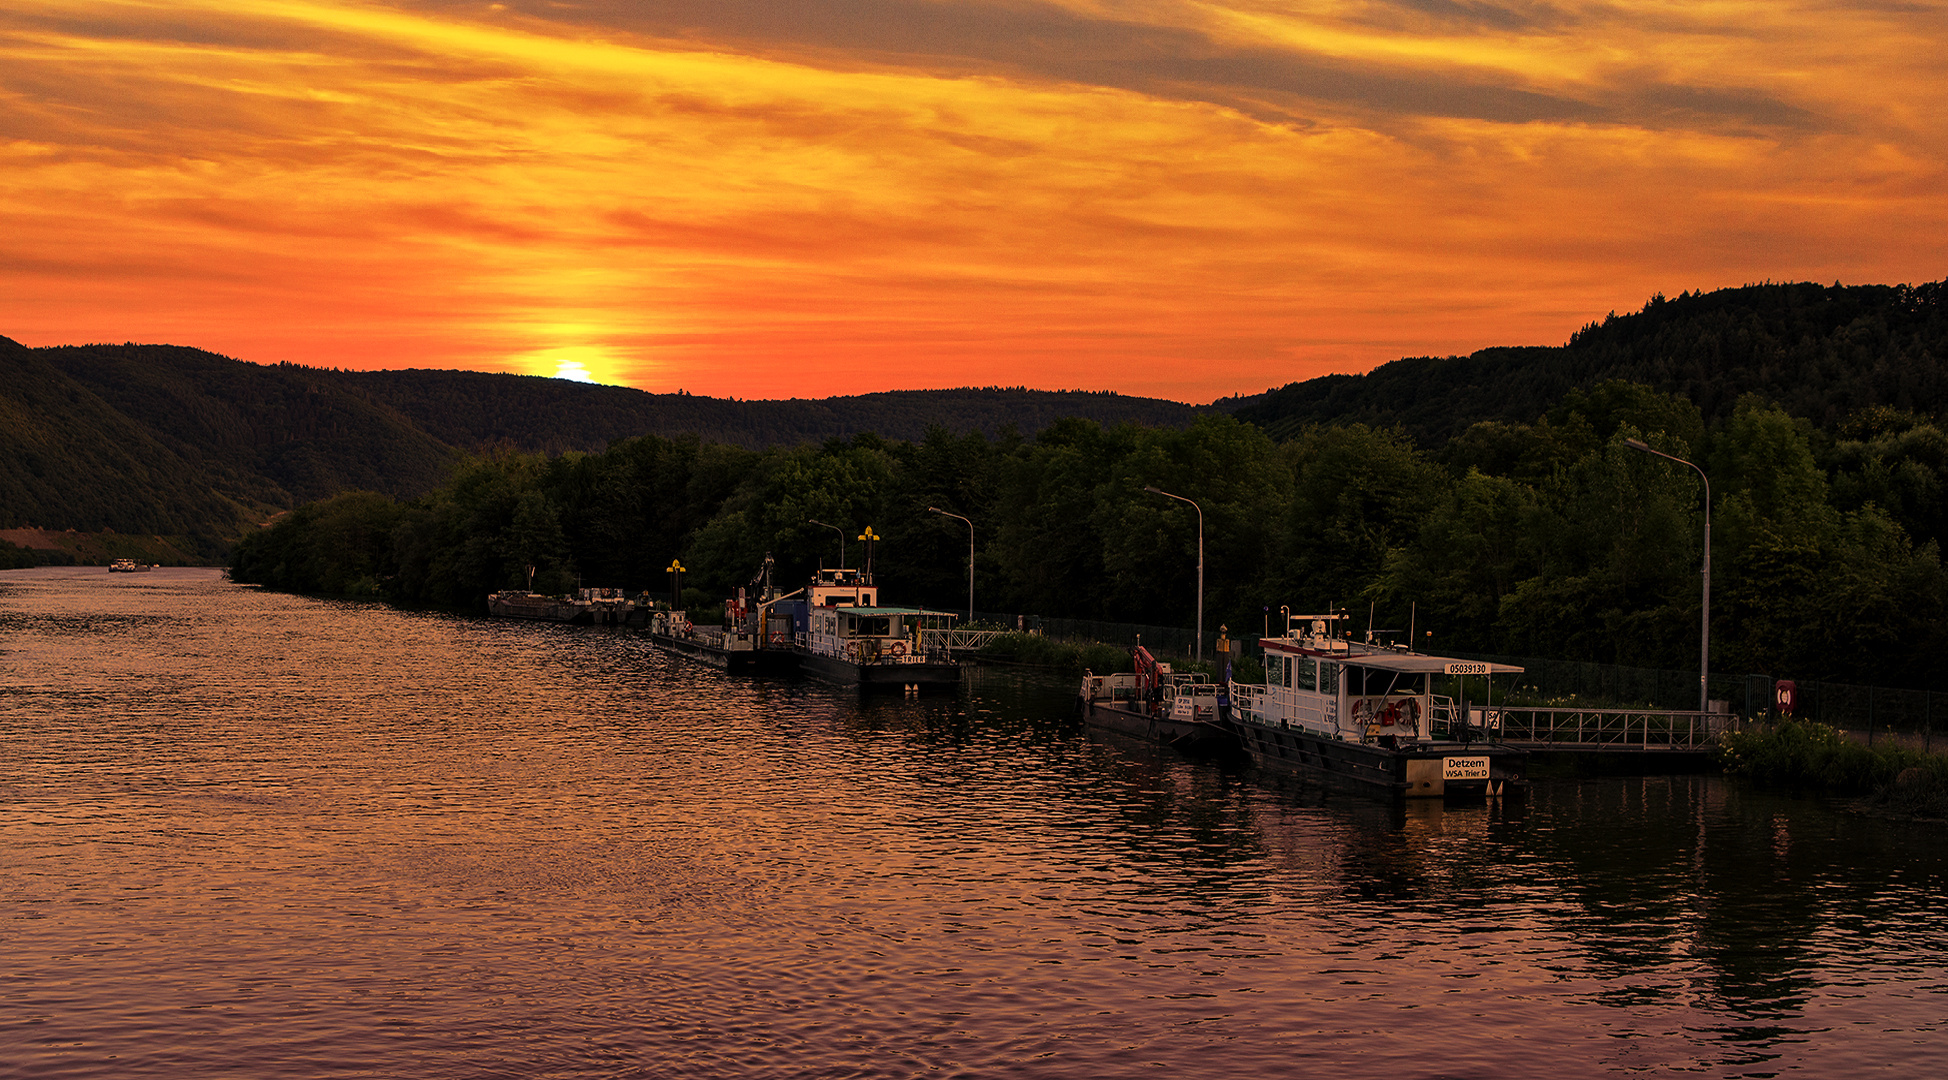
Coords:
pixel 970 559
pixel 1704 635
pixel 1200 563
pixel 835 529
pixel 676 584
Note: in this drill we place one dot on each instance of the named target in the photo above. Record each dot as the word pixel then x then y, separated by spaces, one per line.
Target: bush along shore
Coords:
pixel 1054 654
pixel 1803 755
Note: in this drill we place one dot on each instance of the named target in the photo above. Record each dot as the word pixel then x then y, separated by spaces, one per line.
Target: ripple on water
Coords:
pixel 258 835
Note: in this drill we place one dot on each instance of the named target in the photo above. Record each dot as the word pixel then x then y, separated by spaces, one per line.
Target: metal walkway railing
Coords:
pixel 959 640
pixel 1605 729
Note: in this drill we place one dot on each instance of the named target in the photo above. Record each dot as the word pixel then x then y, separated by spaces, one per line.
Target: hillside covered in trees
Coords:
pixel 199 448
pixel 1487 499
pixel 1546 538
pixel 1819 352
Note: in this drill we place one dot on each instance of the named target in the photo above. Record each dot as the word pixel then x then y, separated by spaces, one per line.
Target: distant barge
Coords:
pixel 588 607
pixel 731 647
pixel 833 629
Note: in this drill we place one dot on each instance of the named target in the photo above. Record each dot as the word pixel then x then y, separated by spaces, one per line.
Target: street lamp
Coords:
pixel 1200 563
pixel 869 536
pixel 835 529
pixel 676 584
pixel 970 559
pixel 1704 635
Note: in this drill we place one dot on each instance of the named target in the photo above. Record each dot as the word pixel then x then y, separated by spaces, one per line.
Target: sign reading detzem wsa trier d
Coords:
pixel 1464 768
pixel 1459 667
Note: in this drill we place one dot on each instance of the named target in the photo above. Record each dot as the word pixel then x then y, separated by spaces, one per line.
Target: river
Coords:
pixel 244 834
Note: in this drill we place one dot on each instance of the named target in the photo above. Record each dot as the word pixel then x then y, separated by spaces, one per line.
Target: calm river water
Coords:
pixel 253 835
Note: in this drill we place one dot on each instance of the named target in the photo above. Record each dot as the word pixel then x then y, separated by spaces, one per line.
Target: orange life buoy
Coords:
pixel 898 648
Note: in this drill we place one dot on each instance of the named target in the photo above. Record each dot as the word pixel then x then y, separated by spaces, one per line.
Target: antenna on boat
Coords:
pixel 1370 606
pixel 1413 613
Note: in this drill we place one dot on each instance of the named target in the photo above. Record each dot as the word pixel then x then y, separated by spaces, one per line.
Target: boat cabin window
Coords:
pixel 1373 682
pixel 1328 677
pixel 1305 674
pixel 1275 670
pixel 874 626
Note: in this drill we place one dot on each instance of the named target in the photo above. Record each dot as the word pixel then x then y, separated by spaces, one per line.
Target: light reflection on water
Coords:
pixel 255 835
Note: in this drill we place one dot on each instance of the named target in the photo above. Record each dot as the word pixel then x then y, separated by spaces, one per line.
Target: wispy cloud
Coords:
pixel 754 198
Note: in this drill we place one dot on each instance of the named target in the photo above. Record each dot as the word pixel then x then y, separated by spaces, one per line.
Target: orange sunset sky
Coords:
pixel 817 197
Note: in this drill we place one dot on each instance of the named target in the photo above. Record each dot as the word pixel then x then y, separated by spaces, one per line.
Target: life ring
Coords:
pixel 898 648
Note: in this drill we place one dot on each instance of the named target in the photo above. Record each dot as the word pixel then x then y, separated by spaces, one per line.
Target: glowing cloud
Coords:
pixel 1188 199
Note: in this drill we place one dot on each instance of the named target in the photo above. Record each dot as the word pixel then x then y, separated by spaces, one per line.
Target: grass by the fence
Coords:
pixel 1804 754
pixel 1071 657
pixel 1067 657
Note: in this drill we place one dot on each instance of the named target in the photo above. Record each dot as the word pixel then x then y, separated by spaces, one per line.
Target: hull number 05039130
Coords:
pixel 1459 668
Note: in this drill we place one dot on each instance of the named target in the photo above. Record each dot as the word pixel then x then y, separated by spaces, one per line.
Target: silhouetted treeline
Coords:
pixel 182 443
pixel 1821 352
pixel 197 448
pixel 1546 537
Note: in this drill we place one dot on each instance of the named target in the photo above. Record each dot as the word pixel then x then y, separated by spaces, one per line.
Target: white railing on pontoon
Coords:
pixel 960 640
pixel 1649 729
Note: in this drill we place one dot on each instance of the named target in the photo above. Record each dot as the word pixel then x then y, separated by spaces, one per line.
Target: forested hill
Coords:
pixel 187 444
pixel 470 409
pixel 182 443
pixel 1820 352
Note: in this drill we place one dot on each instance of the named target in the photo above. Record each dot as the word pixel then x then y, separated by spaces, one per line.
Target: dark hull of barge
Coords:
pixel 1137 720
pixel 552 609
pixel 927 677
pixel 740 661
pixel 1415 772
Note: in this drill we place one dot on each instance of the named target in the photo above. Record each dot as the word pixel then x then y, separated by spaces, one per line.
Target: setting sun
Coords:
pixel 1186 200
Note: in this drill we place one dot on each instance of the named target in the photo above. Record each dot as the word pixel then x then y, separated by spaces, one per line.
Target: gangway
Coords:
pixel 962 639
pixel 1597 730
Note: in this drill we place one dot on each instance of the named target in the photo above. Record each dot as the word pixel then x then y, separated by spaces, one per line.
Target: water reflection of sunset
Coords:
pixel 1170 198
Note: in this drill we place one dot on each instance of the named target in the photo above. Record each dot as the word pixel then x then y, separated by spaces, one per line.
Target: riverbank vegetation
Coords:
pixel 1537 534
pixel 1801 755
pixel 162 440
pixel 1547 539
pixel 1061 656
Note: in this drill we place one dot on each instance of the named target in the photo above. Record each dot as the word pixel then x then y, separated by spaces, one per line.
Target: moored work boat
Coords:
pixel 1365 716
pixel 755 635
pixel 844 635
pixel 128 566
pixel 1153 702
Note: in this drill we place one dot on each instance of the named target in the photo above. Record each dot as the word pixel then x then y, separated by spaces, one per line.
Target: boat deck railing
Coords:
pixel 1122 687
